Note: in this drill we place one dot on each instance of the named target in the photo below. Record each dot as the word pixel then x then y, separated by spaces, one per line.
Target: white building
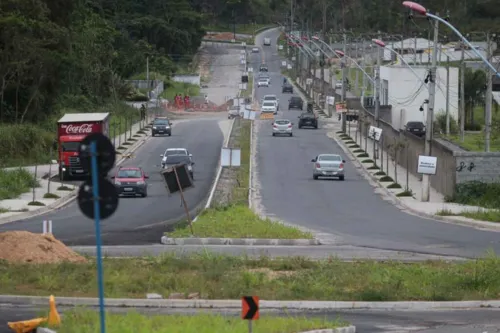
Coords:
pixel 401 88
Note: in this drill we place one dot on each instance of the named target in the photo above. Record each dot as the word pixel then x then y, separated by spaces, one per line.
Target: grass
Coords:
pixel 240 192
pixel 36 203
pixel 373 167
pixel 3 210
pixel 182 88
pixel 380 173
pixel 481 215
pixel 354 146
pixel 405 193
pixel 86 321
pixel 248 29
pixel 358 151
pixel 237 221
pixel 363 155
pixel 64 188
pixel 477 193
pixel 386 179
pixel 15 182
pixel 366 161
pixel 51 196
pixel 248 91
pixel 394 185
pixel 228 277
pixel 352 142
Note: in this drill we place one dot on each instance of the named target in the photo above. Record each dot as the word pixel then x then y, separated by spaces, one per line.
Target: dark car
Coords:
pixel 131 181
pixel 308 120
pixel 161 126
pixel 263 68
pixel 416 128
pixel 287 87
pixel 180 159
pixel 295 102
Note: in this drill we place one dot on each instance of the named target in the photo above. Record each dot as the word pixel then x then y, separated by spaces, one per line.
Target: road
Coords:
pixel 350 210
pixel 366 321
pixel 139 220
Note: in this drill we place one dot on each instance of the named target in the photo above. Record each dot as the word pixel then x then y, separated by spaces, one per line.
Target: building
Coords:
pixel 401 89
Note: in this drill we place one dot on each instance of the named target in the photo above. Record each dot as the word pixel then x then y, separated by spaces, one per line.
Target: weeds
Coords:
pixel 476 193
pixel 363 155
pixel 386 179
pixel 380 173
pixel 367 161
pixel 51 196
pixel 394 185
pixel 15 182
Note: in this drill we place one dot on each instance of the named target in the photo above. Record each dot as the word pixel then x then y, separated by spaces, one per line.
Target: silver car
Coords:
pixel 328 166
pixel 282 127
pixel 263 83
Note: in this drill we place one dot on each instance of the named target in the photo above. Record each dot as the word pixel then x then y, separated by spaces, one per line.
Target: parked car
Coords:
pixel 295 102
pixel 416 128
pixel 283 127
pixel 308 120
pixel 131 181
pixel 287 87
pixel 328 166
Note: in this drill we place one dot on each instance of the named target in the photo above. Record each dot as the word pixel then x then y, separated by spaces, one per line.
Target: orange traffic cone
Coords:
pixel 26 326
pixel 54 319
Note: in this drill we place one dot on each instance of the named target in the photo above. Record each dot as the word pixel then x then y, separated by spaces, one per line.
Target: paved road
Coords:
pixel 350 209
pixel 203 138
pixel 460 321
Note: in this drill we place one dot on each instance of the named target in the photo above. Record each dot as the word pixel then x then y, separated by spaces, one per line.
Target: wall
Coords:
pixel 407 93
pixel 477 166
pixel 143 84
pixel 191 79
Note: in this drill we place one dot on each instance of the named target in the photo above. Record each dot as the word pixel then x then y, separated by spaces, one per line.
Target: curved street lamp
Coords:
pixel 423 11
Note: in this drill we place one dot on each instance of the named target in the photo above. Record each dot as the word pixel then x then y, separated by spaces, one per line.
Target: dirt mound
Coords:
pixel 220 36
pixel 27 247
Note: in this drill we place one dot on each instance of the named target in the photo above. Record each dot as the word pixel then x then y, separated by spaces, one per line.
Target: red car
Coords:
pixel 131 181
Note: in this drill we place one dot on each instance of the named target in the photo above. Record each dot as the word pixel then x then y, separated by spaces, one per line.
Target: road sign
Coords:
pixel 178 179
pixel 106 154
pixel 250 308
pixel 266 115
pixel 230 157
pixel 341 107
pixel 108 198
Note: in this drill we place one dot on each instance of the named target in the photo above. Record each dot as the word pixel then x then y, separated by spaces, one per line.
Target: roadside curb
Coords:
pixel 405 207
pixel 44 330
pixel 236 304
pixel 239 241
pixel 346 329
pixel 124 155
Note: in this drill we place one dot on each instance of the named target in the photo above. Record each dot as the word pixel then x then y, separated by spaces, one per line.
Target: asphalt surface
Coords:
pixel 139 220
pixel 366 321
pixel 348 209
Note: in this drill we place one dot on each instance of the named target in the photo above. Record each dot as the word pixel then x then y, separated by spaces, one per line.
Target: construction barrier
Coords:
pixel 267 116
pixel 28 326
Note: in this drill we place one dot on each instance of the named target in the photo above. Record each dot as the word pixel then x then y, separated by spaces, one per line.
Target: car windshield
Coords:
pixel 161 122
pixel 262 80
pixel 268 105
pixel 296 99
pixel 132 173
pixel 175 152
pixel 415 124
pixel 330 158
pixel 177 159
pixel 264 77
pixel 282 122
pixel 270 98
pixel 307 115
pixel 70 146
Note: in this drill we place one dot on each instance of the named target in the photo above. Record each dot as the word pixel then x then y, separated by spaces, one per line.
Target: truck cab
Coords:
pixel 72 128
pixel 267 41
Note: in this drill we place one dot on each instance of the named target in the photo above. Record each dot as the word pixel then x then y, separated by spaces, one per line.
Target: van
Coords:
pixel 267 41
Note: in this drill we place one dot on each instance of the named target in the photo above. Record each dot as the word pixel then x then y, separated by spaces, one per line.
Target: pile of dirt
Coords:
pixel 220 36
pixel 27 247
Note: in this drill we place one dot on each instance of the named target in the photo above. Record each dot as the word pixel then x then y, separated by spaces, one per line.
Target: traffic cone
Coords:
pixel 54 319
pixel 26 326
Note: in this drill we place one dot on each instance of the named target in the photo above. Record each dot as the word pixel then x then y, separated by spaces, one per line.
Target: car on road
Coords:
pixel 263 68
pixel 174 151
pixel 233 112
pixel 272 98
pixel 328 166
pixel 287 88
pixel 282 127
pixel 161 125
pixel 173 160
pixel 265 76
pixel 131 181
pixel 255 50
pixel 262 83
pixel 295 102
pixel 308 119
pixel 416 128
pixel 267 41
pixel 268 107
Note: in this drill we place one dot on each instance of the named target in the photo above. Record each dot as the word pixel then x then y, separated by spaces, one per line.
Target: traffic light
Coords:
pixel 244 79
pixel 98 145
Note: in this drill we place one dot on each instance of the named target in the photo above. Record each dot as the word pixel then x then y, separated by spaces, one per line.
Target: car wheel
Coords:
pixel 274 134
pixel 192 175
pixel 145 194
pixel 315 177
pixel 316 127
pixel 341 178
pixel 300 127
pixel 291 134
pixel 153 134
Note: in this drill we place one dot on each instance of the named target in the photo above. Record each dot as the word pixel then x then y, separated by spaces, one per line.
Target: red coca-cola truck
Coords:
pixel 72 128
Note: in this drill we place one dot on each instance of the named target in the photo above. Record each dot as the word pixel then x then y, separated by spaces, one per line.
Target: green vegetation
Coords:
pixel 243 141
pixel 248 92
pixel 36 203
pixel 373 167
pixel 246 29
pixel 405 193
pixel 386 179
pixel 15 182
pixel 363 155
pixel 86 321
pixel 51 196
pixel 358 151
pixel 394 185
pixel 492 215
pixel 380 173
pixel 182 88
pixel 227 277
pixel 236 221
pixel 477 194
pixel 366 161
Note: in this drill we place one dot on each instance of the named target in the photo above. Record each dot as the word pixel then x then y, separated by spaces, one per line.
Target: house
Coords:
pixel 406 93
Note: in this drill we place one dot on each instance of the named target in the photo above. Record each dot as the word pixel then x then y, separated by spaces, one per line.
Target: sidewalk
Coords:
pixel 52 194
pixel 414 202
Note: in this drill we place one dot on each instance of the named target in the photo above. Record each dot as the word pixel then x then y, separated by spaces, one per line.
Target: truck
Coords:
pixel 72 128
pixel 267 41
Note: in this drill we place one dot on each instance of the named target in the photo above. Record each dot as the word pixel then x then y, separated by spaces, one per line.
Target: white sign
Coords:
pixel 283 63
pixel 230 157
pixel 330 100
pixel 309 81
pixel 249 115
pixel 242 57
pixel 427 165
pixel 242 61
pixel 280 47
pixel 233 40
pixel 375 133
pixel 293 58
pixel 243 44
pixel 289 66
pixel 250 69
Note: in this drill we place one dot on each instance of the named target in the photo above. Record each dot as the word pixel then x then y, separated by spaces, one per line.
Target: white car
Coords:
pixel 272 98
pixel 172 152
pixel 268 107
pixel 265 76
pixel 283 127
pixel 255 50
pixel 263 83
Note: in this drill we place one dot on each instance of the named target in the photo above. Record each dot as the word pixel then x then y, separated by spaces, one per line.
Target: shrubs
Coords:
pixel 477 194
pixel 13 183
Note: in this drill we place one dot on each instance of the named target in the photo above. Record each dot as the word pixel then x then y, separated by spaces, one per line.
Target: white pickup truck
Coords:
pixel 267 41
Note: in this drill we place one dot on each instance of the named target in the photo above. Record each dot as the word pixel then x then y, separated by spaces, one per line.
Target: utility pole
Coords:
pixel 147 77
pixel 447 95
pixel 344 93
pixel 323 90
pixel 356 84
pixel 415 51
pixel 377 85
pixel 234 25
pixel 462 94
pixel 426 182
pixel 364 66
pixel 488 97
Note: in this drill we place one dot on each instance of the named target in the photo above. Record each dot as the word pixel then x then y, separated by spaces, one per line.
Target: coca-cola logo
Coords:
pixel 79 129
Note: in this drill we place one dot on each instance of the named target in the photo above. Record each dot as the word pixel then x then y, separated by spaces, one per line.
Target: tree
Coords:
pixel 475 88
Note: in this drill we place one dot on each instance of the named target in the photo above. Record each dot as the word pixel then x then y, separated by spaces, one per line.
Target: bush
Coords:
pixel 367 161
pixel 354 146
pixel 359 151
pixel 473 127
pixel 138 98
pixel 394 185
pixel 380 173
pixel 386 179
pixel 440 123
pixel 373 167
pixel 363 155
pixel 477 193
pixel 13 183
